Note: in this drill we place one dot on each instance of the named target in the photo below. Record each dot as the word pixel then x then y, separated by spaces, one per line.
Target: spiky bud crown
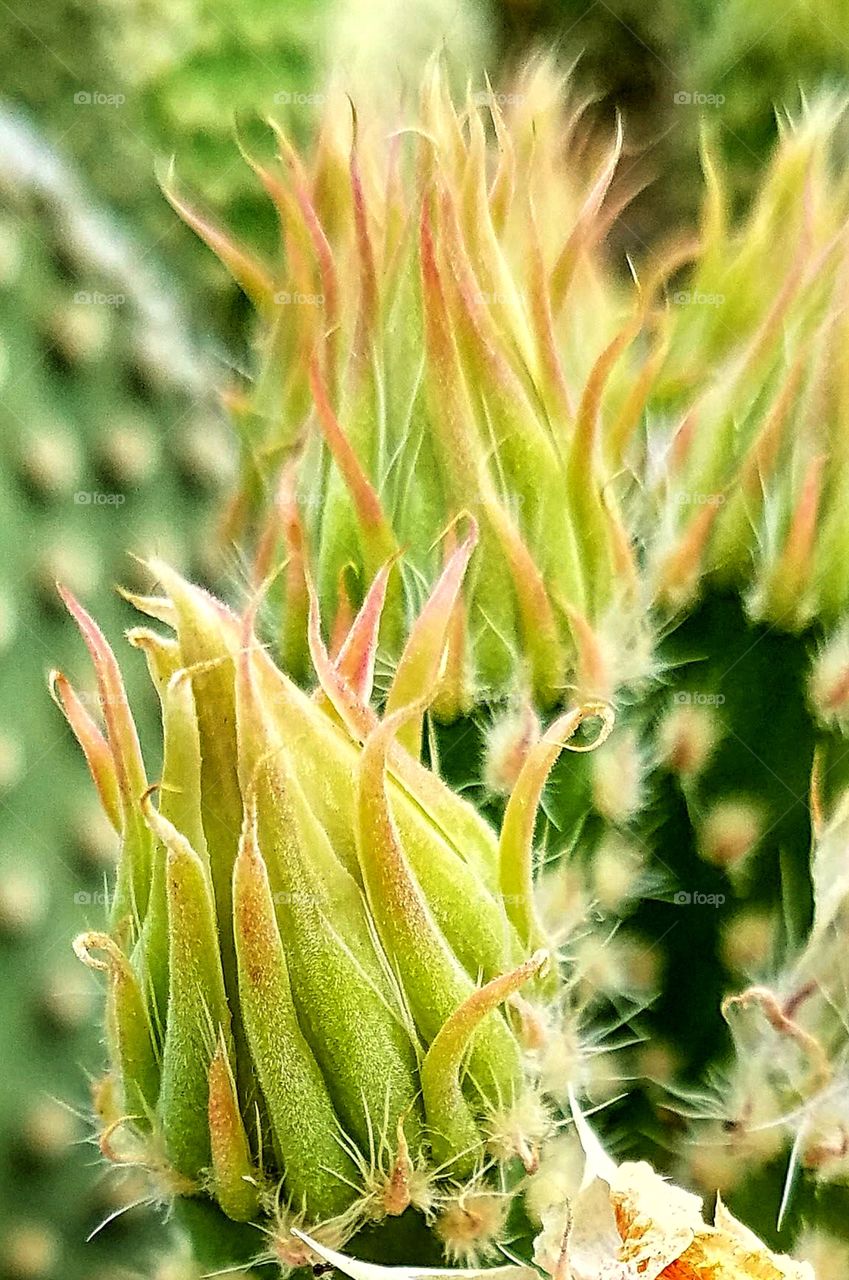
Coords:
pixel 423 353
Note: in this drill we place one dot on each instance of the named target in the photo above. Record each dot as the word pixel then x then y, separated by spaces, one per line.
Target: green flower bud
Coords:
pixel 309 1013
pixel 429 376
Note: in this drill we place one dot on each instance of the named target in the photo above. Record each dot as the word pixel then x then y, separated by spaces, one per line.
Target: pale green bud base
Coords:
pixel 218 1243
pixel 466 1225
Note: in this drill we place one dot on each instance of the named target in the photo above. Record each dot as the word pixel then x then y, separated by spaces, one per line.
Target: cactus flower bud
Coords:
pixel 442 349
pixel 315 948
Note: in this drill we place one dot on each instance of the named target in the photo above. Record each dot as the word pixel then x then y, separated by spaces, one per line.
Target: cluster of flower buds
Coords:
pixel 332 996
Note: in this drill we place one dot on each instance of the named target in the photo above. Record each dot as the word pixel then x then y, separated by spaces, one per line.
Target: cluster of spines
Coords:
pixel 784 1095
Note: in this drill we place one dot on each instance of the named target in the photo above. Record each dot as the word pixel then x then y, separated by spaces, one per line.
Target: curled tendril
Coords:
pixel 602 711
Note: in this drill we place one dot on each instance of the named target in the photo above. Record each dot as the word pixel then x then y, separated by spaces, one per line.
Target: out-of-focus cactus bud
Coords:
pixel 23 902
pixel 619 874
pixel 748 941
pixel 29 1251
pixel 730 832
pixel 325 967
pixel 687 737
pixel 618 774
pixel 510 739
pixel 828 688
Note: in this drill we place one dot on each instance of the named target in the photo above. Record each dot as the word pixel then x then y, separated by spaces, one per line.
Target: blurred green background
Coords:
pixel 115 329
